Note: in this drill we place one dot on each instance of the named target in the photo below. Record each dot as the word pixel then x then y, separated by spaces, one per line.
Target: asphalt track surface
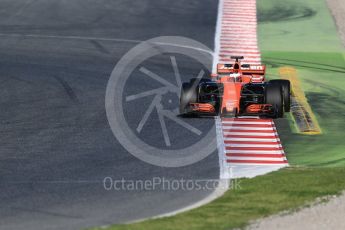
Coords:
pixel 56 143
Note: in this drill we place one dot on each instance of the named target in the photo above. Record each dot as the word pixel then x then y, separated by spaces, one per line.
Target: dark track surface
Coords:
pixel 56 144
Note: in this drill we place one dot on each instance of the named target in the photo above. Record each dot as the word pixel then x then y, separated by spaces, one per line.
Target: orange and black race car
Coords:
pixel 236 90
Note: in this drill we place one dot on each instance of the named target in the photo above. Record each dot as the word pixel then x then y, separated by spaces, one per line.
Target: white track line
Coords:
pixel 250 134
pixel 255 151
pixel 251 139
pixel 247 128
pixel 254 145
pixel 247 122
pixel 224 182
pixel 257 158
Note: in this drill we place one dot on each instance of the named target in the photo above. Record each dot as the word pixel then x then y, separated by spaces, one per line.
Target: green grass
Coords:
pixel 256 198
pixel 294 25
pixel 323 79
pixel 306 39
pixel 304 35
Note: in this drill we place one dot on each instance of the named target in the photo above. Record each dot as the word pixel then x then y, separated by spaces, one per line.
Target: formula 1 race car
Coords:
pixel 236 90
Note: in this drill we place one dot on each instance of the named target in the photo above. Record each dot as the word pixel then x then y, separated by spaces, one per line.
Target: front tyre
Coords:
pixel 274 97
pixel 286 87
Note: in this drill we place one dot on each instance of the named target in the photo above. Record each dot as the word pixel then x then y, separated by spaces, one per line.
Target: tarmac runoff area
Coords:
pixel 337 8
pixel 321 216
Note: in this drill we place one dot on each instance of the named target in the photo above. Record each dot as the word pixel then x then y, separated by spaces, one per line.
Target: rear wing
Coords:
pixel 244 69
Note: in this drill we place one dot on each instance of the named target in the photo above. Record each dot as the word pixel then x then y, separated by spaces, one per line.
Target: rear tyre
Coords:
pixel 286 87
pixel 188 95
pixel 274 97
